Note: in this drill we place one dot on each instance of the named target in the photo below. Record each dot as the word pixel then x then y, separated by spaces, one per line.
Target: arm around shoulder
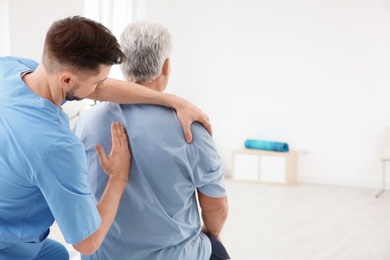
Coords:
pixel 125 92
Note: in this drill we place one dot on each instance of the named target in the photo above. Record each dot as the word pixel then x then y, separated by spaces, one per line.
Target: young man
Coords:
pixel 42 163
pixel 158 216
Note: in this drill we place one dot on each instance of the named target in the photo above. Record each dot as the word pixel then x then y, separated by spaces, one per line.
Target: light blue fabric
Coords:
pixel 266 145
pixel 47 249
pixel 158 216
pixel 42 165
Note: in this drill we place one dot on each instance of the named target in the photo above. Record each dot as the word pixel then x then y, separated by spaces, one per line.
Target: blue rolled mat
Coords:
pixel 266 145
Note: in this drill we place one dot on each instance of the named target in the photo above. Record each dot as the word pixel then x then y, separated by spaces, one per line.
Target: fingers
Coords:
pixel 114 134
pixel 206 123
pixel 117 163
pixel 118 135
pixel 208 126
pixel 100 151
pixel 187 128
pixel 123 136
pixel 187 132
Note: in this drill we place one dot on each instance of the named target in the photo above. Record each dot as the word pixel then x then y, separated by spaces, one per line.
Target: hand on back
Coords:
pixel 117 163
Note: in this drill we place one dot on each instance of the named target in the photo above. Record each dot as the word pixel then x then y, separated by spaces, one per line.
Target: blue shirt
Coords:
pixel 158 216
pixel 43 173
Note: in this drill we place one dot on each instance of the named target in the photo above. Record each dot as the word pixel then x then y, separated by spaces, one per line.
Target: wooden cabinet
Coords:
pixel 265 166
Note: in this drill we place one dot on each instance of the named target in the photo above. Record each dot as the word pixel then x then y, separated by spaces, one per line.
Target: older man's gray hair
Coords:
pixel 146 45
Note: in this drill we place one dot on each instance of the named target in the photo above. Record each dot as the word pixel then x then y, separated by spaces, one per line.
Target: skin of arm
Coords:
pixel 214 213
pixel 125 92
pixel 116 165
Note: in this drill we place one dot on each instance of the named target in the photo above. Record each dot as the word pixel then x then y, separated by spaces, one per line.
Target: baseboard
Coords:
pixel 335 180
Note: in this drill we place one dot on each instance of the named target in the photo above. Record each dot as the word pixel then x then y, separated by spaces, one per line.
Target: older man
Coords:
pixel 158 217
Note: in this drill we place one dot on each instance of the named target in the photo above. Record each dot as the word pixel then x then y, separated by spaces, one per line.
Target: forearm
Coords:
pixel 126 92
pixel 214 221
pixel 214 214
pixel 107 207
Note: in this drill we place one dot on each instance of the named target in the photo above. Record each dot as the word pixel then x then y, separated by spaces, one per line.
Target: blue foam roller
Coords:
pixel 266 145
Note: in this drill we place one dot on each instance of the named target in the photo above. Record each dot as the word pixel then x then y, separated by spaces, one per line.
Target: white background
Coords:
pixel 314 74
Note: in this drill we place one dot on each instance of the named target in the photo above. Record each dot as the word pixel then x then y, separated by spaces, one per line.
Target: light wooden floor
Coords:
pixel 303 222
pixel 310 222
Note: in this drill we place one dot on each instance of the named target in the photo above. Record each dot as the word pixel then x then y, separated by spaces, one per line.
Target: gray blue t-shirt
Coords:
pixel 158 217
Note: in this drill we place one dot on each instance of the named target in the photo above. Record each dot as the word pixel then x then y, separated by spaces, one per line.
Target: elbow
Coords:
pixel 221 213
pixel 225 213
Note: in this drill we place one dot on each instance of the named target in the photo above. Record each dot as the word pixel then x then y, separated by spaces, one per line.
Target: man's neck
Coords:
pixel 38 82
pixel 158 84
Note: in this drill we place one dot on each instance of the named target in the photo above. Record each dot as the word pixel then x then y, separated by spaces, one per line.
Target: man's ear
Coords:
pixel 66 80
pixel 166 70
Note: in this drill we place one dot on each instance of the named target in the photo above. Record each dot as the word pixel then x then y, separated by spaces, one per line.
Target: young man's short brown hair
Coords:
pixel 81 44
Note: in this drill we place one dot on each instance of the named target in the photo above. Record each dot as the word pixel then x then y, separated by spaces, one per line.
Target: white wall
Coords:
pixel 28 24
pixel 29 21
pixel 4 28
pixel 315 74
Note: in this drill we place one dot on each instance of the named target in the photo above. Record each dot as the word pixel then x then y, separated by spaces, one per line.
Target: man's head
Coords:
pixel 147 46
pixel 80 52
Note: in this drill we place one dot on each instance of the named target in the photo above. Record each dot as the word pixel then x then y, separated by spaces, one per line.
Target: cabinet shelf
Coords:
pixel 265 166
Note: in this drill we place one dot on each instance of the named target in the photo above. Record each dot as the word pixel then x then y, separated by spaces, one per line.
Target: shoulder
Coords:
pixel 154 119
pixel 153 111
pixel 16 63
pixel 102 113
pixel 56 138
pixel 147 116
pixel 94 123
pixel 201 137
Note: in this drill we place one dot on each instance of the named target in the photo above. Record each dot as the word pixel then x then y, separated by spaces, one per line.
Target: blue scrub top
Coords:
pixel 43 174
pixel 158 216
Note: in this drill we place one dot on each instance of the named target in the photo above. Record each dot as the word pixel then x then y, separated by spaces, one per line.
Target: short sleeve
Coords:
pixel 62 179
pixel 206 170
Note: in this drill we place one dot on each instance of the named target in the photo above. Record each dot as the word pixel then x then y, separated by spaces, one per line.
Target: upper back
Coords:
pixel 159 200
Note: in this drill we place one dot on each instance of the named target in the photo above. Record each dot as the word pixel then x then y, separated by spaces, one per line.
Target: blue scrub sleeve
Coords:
pixel 207 174
pixel 62 179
